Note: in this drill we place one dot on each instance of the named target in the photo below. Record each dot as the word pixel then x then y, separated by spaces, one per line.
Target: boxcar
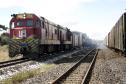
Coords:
pixel 116 38
pixel 77 39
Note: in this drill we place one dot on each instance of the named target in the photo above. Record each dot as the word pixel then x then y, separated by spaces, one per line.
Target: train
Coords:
pixel 32 34
pixel 116 38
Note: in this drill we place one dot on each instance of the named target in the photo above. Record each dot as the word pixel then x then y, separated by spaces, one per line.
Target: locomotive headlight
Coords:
pixel 24 16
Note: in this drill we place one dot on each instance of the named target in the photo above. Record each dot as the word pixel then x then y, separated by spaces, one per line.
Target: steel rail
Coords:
pixel 13 62
pixel 21 60
pixel 85 78
pixel 70 69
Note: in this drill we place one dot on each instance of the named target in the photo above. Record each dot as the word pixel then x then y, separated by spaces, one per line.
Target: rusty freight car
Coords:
pixel 116 38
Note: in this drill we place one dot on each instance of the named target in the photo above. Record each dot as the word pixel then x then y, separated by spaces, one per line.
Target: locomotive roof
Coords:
pixel 52 23
pixel 23 15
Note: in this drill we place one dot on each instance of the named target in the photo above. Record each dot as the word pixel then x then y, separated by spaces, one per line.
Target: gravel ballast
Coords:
pixel 110 68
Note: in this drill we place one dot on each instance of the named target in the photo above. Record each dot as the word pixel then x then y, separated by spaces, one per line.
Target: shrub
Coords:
pixel 4 38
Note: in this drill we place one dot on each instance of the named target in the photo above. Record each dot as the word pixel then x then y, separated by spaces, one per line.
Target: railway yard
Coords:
pixel 38 51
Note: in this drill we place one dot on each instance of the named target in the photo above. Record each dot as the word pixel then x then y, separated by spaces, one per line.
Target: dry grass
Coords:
pixel 4 53
pixel 16 79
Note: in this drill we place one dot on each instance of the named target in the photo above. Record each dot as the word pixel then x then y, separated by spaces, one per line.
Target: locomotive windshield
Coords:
pixel 22 23
pixel 29 23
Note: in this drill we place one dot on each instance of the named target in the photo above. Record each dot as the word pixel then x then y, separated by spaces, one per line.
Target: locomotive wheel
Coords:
pixel 11 54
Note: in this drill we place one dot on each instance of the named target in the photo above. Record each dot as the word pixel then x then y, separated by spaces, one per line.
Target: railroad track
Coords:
pixel 13 62
pixel 21 60
pixel 79 72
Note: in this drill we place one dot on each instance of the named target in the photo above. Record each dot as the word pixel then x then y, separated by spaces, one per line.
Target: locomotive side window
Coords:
pixel 19 23
pixel 29 23
pixel 42 24
pixel 37 23
pixel 56 31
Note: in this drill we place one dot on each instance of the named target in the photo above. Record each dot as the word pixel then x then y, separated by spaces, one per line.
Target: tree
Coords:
pixel 4 38
pixel 3 27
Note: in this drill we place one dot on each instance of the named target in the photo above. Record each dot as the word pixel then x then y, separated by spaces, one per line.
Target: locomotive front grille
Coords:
pixel 17 46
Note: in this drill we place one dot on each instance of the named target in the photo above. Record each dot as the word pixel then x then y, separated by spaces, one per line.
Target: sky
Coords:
pixel 93 17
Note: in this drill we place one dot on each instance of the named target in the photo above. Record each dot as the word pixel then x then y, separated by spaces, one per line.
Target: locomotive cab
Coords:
pixel 24 26
pixel 25 30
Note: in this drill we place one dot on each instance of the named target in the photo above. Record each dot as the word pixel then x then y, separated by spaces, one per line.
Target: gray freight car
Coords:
pixel 77 39
pixel 116 38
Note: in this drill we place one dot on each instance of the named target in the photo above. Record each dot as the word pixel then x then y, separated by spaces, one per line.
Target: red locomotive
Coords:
pixel 30 33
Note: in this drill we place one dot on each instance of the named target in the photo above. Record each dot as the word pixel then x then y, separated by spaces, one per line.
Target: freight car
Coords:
pixel 77 39
pixel 116 38
pixel 32 34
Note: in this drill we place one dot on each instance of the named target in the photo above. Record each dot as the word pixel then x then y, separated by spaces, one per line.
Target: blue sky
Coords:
pixel 93 17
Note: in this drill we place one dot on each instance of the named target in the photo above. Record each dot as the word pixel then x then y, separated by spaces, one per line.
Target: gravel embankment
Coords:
pixel 110 68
